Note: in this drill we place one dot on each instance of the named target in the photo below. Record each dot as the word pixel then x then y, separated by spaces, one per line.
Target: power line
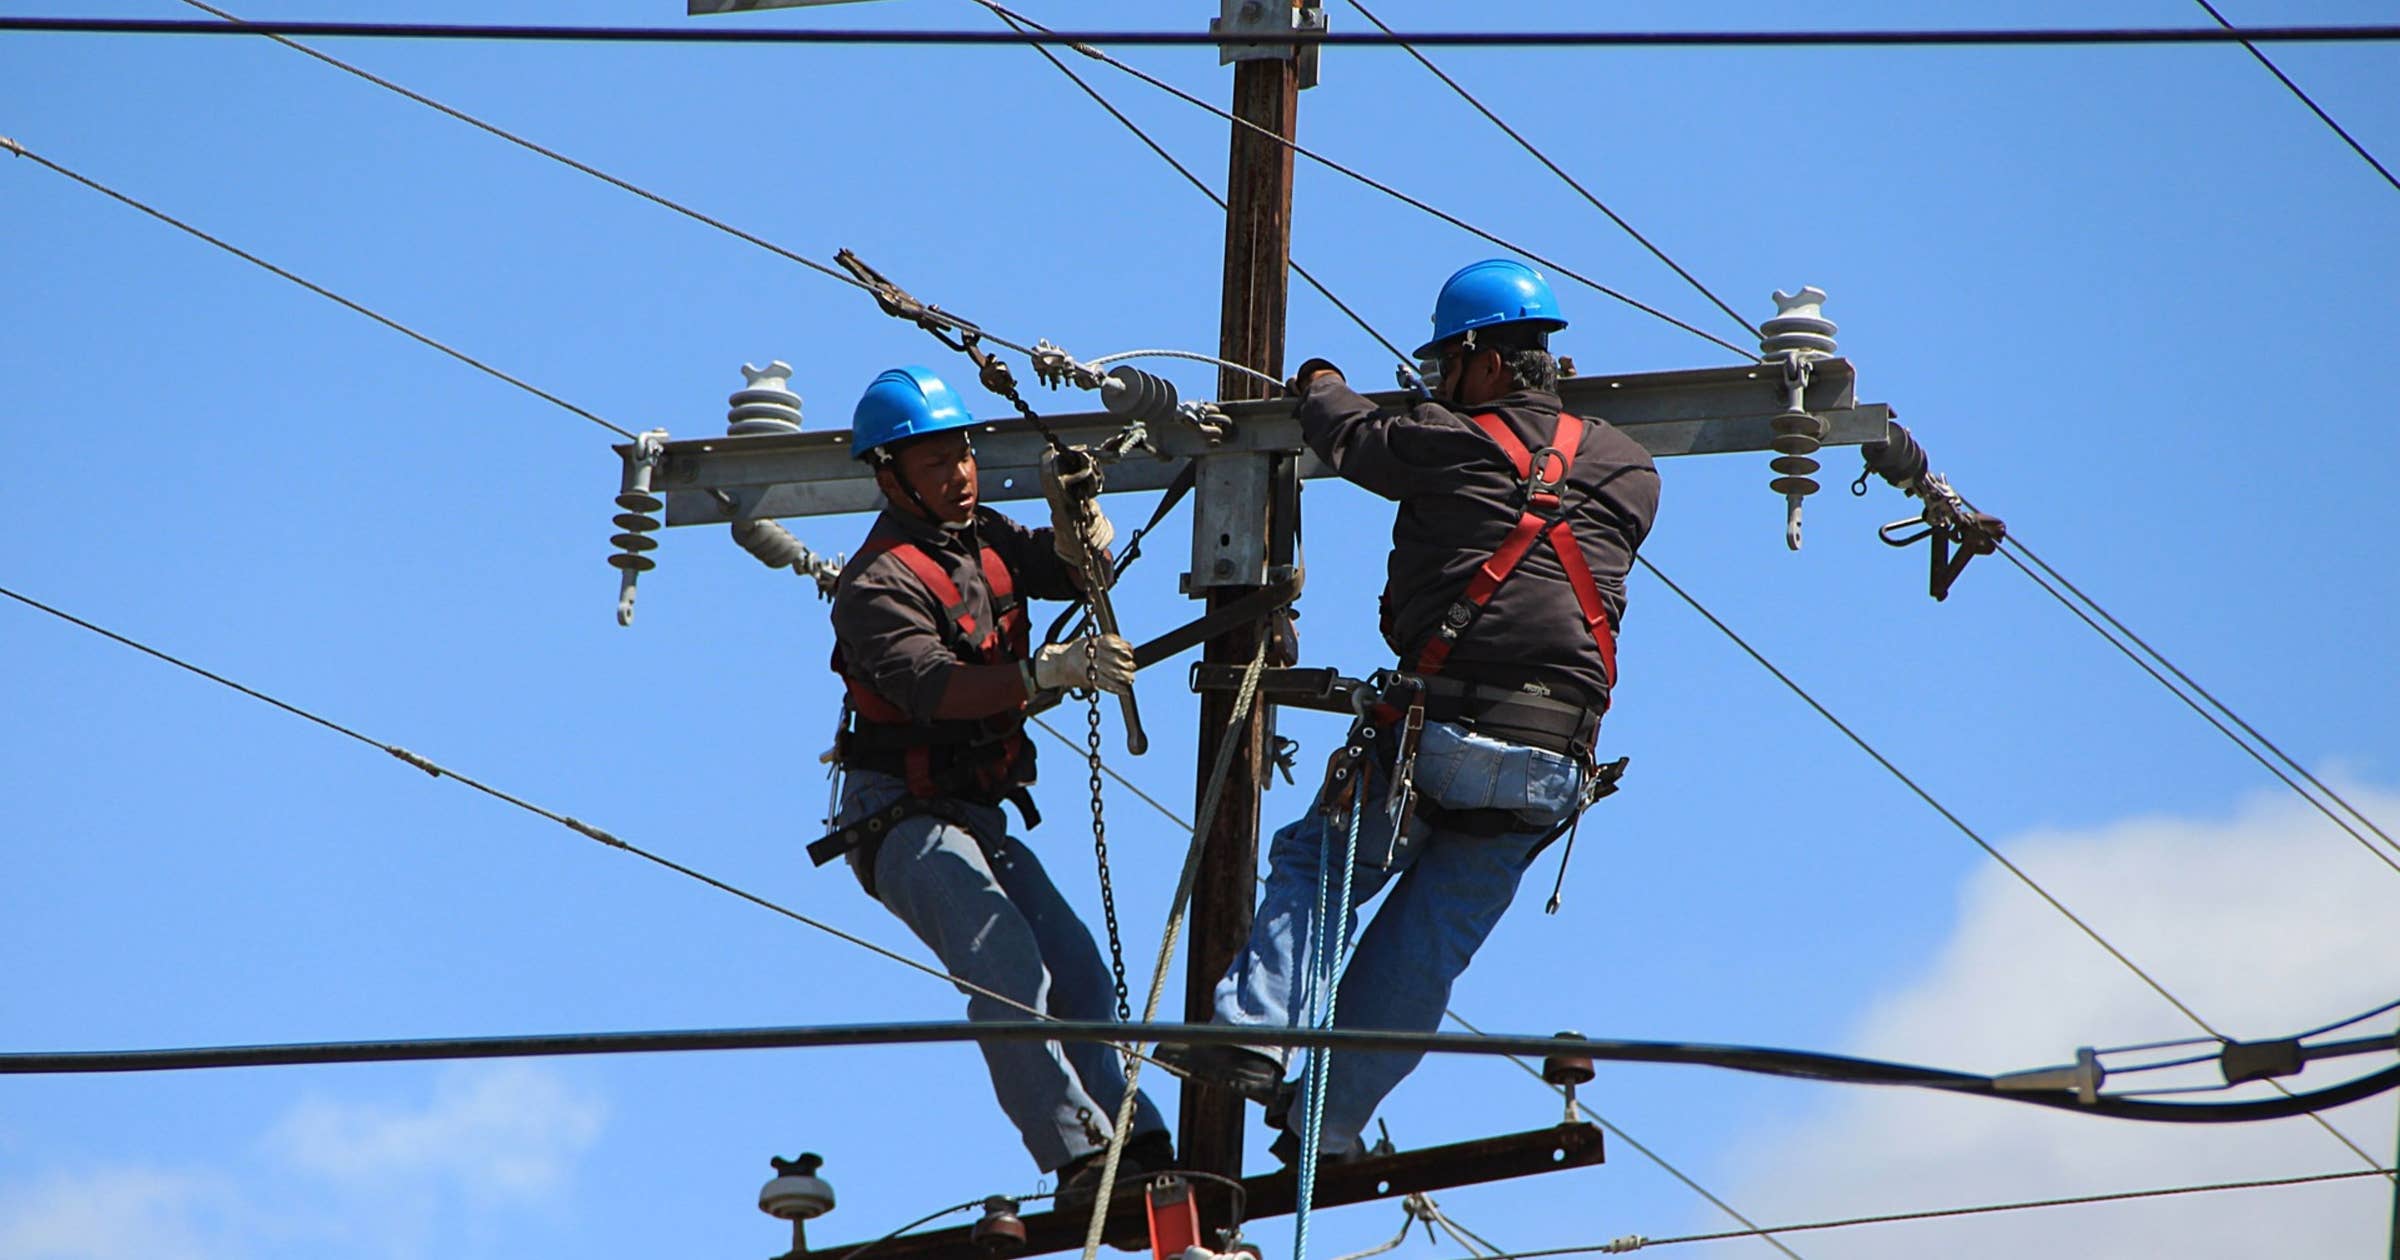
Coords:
pixel 1636 1242
pixel 162 216
pixel 1971 834
pixel 1556 169
pixel 2009 549
pixel 1370 181
pixel 1960 38
pixel 274 31
pixel 1017 23
pixel 576 825
pixel 2318 110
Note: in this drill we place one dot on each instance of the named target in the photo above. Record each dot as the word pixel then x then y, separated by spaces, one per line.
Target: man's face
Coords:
pixel 1471 377
pixel 941 469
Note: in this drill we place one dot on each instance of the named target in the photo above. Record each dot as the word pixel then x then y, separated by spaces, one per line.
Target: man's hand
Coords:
pixel 1058 666
pixel 1309 371
pixel 1071 482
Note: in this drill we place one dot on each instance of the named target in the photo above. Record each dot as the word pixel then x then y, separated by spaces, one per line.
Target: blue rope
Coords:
pixel 1331 941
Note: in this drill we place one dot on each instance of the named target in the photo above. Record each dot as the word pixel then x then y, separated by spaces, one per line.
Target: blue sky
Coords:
pixel 2136 301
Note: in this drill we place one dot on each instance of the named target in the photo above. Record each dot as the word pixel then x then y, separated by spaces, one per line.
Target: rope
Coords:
pixel 1635 1242
pixel 1166 946
pixel 271 31
pixel 1556 169
pixel 1333 938
pixel 1971 834
pixel 313 287
pixel 573 824
pixel 1378 185
pixel 1020 24
pixel 2318 110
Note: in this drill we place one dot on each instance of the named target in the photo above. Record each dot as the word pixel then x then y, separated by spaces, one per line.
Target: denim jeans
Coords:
pixel 1448 889
pixel 981 900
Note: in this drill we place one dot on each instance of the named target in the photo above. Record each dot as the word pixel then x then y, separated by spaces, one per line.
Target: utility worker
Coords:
pixel 1516 526
pixel 930 641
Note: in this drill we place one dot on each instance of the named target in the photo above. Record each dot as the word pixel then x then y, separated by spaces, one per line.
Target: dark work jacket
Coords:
pixel 894 635
pixel 1458 497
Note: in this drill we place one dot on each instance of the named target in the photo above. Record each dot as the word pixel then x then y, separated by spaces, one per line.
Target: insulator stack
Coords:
pixel 777 549
pixel 1137 395
pixel 1797 339
pixel 767 406
pixel 637 522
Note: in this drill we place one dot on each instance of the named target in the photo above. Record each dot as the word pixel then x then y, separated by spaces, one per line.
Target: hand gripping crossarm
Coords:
pixel 1071 482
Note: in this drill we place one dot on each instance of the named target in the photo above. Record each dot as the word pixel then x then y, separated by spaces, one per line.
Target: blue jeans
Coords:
pixel 981 900
pixel 1448 889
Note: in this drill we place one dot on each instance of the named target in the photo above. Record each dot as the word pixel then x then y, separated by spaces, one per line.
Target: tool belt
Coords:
pixel 865 835
pixel 1515 715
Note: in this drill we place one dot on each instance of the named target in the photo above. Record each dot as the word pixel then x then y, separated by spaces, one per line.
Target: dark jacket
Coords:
pixel 895 637
pixel 1459 497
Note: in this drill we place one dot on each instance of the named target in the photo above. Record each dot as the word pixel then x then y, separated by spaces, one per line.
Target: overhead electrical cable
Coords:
pixel 1014 18
pixel 1018 23
pixel 2314 108
pixel 1921 38
pixel 1989 849
pixel 2014 545
pixel 12 146
pixel 573 824
pixel 1556 169
pixel 953 321
pixel 1636 1242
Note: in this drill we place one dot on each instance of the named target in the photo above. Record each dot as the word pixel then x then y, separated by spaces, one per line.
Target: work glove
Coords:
pixel 1058 666
pixel 1298 385
pixel 1071 482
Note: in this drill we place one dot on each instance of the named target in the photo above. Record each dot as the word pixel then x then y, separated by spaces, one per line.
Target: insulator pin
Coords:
pixel 1001 1232
pixel 796 1193
pixel 1137 395
pixel 1566 1070
pixel 767 406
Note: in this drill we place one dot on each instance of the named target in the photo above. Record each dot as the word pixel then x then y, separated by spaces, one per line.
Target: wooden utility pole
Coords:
pixel 1230 548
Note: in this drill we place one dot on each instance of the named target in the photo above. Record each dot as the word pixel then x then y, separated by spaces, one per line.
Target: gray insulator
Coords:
pixel 767 406
pixel 770 542
pixel 797 1193
pixel 1799 326
pixel 1137 395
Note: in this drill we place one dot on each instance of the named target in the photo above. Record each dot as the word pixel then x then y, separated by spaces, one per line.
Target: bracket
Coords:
pixel 1269 17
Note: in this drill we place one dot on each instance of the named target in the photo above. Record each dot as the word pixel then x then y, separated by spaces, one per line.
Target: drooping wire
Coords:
pixel 387 321
pixel 571 823
pixel 1556 169
pixel 2010 549
pixel 1195 357
pixel 1636 1242
pixel 1019 23
pixel 2318 110
pixel 1989 849
pixel 269 30
pixel 1014 18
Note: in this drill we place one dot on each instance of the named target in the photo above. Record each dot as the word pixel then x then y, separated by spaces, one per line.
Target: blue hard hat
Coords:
pixel 904 402
pixel 1494 291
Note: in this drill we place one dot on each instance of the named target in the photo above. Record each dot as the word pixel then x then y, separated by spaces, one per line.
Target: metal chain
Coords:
pixel 1108 891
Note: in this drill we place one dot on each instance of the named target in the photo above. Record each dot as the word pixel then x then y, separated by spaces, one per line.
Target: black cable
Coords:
pixel 2355 1019
pixel 1018 23
pixel 2318 110
pixel 1637 1242
pixel 1960 38
pixel 1556 169
pixel 12 146
pixel 1376 184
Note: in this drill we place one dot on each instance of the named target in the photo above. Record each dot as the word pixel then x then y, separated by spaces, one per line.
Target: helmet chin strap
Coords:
pixel 883 461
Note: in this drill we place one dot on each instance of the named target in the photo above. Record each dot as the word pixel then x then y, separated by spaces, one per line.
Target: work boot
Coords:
pixel 1246 1072
pixel 1079 1178
pixel 1286 1148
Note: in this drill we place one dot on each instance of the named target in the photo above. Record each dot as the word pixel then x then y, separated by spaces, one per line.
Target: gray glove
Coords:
pixel 1071 482
pixel 1058 666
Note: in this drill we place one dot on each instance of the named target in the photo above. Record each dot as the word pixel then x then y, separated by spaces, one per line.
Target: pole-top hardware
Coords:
pixel 797 1195
pixel 1001 1232
pixel 638 520
pixel 766 405
pixel 1269 17
pixel 1798 338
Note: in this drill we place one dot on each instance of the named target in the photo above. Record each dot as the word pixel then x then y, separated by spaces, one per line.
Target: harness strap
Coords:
pixel 1542 516
pixel 1003 641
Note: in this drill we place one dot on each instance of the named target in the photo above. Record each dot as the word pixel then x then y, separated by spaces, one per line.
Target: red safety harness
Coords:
pixel 1543 515
pixel 995 644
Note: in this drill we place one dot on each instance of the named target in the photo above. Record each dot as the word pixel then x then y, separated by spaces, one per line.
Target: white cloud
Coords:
pixel 2266 923
pixel 506 1134
pixel 126 1213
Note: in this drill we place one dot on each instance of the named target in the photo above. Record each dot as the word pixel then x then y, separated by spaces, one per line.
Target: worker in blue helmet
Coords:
pixel 931 644
pixel 1517 523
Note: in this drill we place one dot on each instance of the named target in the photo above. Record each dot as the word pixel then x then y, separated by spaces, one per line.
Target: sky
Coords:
pixel 2134 300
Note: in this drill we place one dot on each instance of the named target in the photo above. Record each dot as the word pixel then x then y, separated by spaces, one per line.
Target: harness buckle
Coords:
pixel 1540 482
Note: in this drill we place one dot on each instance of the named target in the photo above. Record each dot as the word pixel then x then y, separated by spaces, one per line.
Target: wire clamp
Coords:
pixel 2082 1077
